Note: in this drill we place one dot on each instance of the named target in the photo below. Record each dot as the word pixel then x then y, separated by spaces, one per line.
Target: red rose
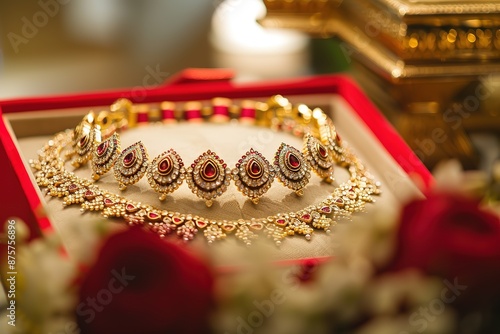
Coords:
pixel 450 236
pixel 142 284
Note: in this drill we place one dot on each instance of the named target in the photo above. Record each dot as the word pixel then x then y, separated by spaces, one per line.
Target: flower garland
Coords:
pixel 431 267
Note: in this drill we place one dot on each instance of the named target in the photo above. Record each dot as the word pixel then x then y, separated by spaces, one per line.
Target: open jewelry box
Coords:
pixel 27 124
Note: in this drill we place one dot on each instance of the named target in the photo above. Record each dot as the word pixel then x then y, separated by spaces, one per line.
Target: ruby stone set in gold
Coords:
pixel 208 176
pixel 96 141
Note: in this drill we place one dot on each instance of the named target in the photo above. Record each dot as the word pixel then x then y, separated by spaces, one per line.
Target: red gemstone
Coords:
pixel 292 161
pixel 322 151
pixel 89 195
pixel 201 223
pixel 306 217
pixel 153 216
pixel 255 170
pixel 326 209
pixel 131 208
pixel 129 159
pixel 177 220
pixel 83 141
pixel 165 166
pixel 280 222
pixel 209 171
pixel 72 188
pixel 108 202
pixel 339 202
pixel 102 148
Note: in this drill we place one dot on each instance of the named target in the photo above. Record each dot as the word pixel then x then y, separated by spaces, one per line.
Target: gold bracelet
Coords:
pixel 96 140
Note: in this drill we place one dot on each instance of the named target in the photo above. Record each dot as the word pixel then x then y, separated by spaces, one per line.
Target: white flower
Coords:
pixel 44 299
pixel 368 239
pixel 450 177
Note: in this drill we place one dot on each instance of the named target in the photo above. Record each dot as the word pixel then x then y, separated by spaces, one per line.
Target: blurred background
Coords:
pixel 428 75
pixel 57 47
pixel 53 47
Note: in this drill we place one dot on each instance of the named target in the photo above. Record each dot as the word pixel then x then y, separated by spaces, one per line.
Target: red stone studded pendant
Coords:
pixel 105 155
pixel 131 165
pixel 166 173
pixel 165 166
pixel 129 159
pixel 86 136
pixel 292 161
pixel 253 175
pixel 209 171
pixel 101 148
pixel 208 177
pixel 254 169
pixel 323 153
pixel 291 168
pixel 84 140
pixel 319 157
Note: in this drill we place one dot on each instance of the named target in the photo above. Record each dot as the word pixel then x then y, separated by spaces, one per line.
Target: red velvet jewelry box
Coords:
pixel 21 198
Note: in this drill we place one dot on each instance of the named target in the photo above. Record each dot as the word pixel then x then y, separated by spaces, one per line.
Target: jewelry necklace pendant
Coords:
pixel 86 136
pixel 208 177
pixel 166 173
pixel 131 165
pixel 319 156
pixel 253 175
pixel 105 155
pixel 292 168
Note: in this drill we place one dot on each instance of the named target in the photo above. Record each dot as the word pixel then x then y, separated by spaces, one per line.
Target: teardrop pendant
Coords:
pixel 131 165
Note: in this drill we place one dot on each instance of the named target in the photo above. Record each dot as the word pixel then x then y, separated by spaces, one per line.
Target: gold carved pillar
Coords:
pixel 431 66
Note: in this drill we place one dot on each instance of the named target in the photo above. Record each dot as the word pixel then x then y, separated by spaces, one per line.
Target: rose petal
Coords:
pixel 143 284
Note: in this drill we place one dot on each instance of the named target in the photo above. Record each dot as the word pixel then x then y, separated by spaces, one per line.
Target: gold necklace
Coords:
pixel 322 145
